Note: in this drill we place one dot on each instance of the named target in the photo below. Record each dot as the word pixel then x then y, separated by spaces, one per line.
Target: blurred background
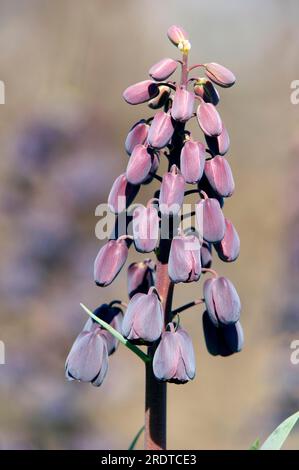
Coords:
pixel 65 64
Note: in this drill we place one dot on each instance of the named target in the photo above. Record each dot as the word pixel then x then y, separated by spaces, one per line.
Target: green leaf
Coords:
pixel 117 335
pixel 276 440
pixel 135 440
pixel 255 445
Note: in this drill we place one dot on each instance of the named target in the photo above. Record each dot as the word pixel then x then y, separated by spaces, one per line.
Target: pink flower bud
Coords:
pixel 121 194
pixel 207 92
pixel 141 276
pixel 220 75
pixel 88 358
pixel 229 248
pixel 176 34
pixel 109 261
pixel 174 359
pixel 137 135
pixel 223 341
pixel 222 301
pixel 139 165
pixel 192 161
pixel 219 145
pixel 163 69
pixel 140 92
pixel 145 228
pixel 209 119
pixel 143 320
pixel 206 255
pixel 182 106
pixel 172 192
pixel 161 130
pixel 210 219
pixel 219 175
pixel 161 99
pixel 184 264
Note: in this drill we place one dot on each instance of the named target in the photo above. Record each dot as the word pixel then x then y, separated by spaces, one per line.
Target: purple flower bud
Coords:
pixel 210 219
pixel 172 192
pixel 192 161
pixel 140 92
pixel 143 320
pixel 163 69
pixel 145 228
pixel 174 359
pixel 161 99
pixel 206 255
pixel 161 130
pixel 184 264
pixel 219 175
pixel 112 315
pixel 139 165
pixel 219 145
pixel 109 261
pixel 137 135
pixel 141 276
pixel 222 301
pixel 223 341
pixel 121 194
pixel 88 358
pixel 229 248
pixel 209 119
pixel 220 75
pixel 182 106
pixel 206 90
pixel 176 34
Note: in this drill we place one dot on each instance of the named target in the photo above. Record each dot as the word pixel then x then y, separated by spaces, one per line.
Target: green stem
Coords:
pixel 117 335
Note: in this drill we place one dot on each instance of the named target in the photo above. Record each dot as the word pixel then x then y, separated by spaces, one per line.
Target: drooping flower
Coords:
pixel 109 261
pixel 145 228
pixel 220 74
pixel 222 301
pixel 209 119
pixel 163 69
pixel 161 130
pixel 192 161
pixel 139 165
pixel 210 220
pixel 137 135
pixel 184 263
pixel 172 192
pixel 141 92
pixel 182 106
pixel 121 194
pixel 141 276
pixel 219 175
pixel 229 248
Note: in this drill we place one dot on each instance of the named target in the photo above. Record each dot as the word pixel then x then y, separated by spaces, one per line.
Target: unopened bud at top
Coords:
pixel 163 69
pixel 177 35
pixel 220 75
pixel 141 92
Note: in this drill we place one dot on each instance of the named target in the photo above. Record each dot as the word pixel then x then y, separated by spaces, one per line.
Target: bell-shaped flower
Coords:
pixel 219 145
pixel 222 301
pixel 192 161
pixel 209 119
pixel 145 228
pixel 220 75
pixel 223 341
pixel 139 165
pixel 210 220
pixel 184 263
pixel 163 69
pixel 109 261
pixel 206 90
pixel 141 92
pixel 144 317
pixel 174 359
pixel 183 104
pixel 141 276
pixel 229 248
pixel 121 194
pixel 161 130
pixel 219 175
pixel 137 135
pixel 172 192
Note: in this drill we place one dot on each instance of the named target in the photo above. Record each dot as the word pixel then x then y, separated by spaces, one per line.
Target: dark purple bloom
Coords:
pixel 209 119
pixel 206 255
pixel 145 228
pixel 141 276
pixel 163 69
pixel 222 301
pixel 174 359
pixel 172 192
pixel 192 161
pixel 141 92
pixel 182 106
pixel 220 75
pixel 184 264
pixel 109 261
pixel 223 341
pixel 161 130
pixel 220 177
pixel 143 319
pixel 210 220
pixel 229 248
pixel 137 135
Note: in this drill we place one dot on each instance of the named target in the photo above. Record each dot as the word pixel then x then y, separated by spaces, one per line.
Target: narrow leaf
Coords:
pixel 255 445
pixel 135 440
pixel 280 434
